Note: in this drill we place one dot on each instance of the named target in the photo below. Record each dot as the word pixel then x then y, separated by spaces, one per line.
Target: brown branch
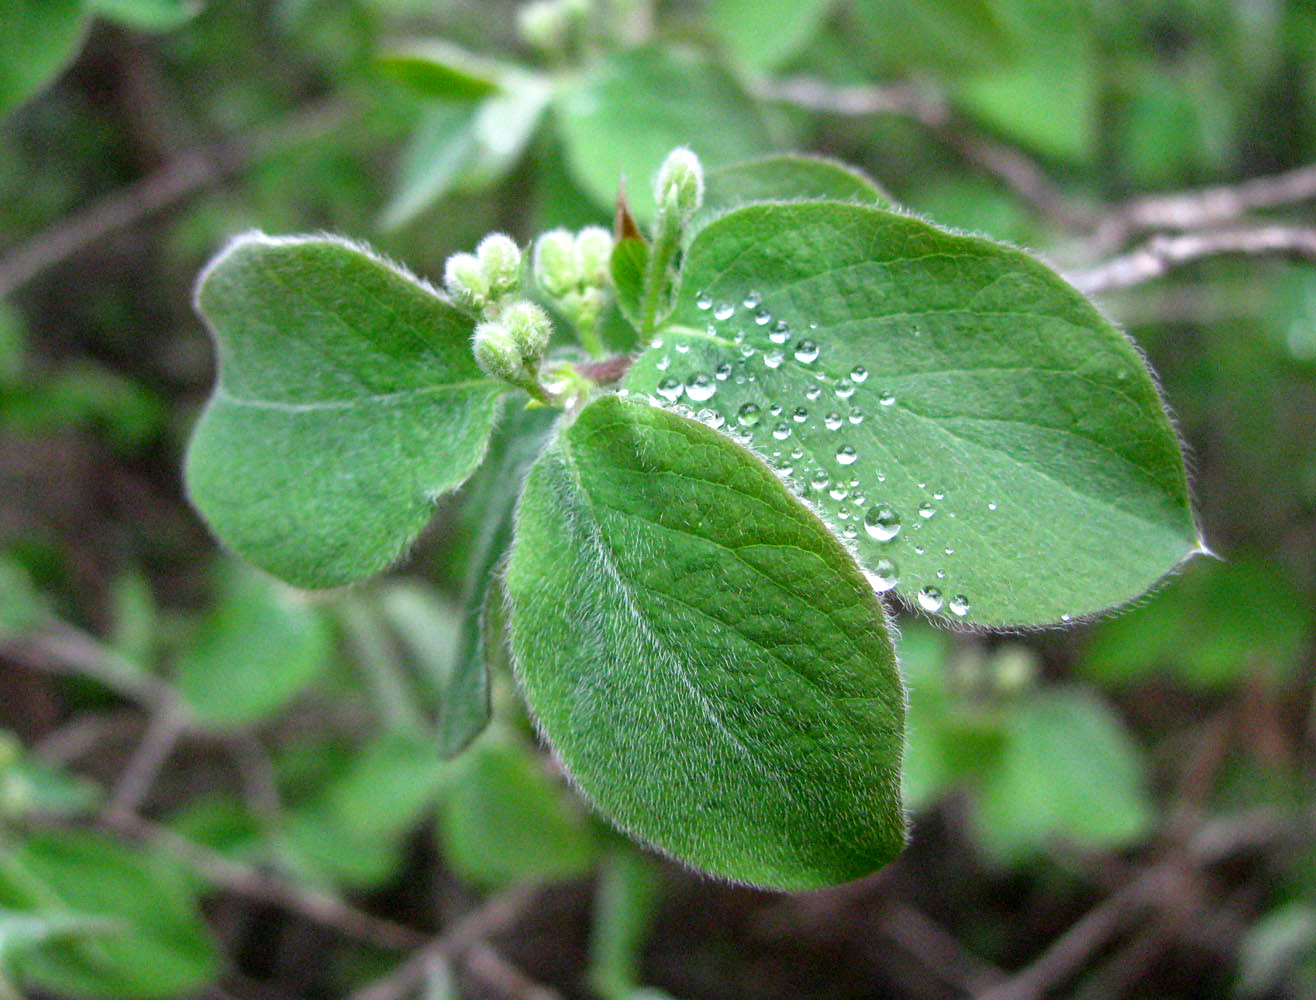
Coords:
pixel 1161 254
pixel 493 970
pixel 232 876
pixel 134 784
pixel 940 952
pixel 189 173
pixel 494 915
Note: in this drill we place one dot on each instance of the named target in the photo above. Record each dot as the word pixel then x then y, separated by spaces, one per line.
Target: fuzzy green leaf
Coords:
pixel 1015 434
pixel 347 402
pixel 708 661
pixel 786 177
pixel 623 118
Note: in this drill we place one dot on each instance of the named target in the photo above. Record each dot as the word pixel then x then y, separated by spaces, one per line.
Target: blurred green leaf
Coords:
pixel 625 906
pixel 163 949
pixel 134 619
pixel 950 36
pixel 148 15
pixel 262 645
pixel 22 606
pixel 763 34
pixel 441 70
pixel 347 402
pixel 630 259
pixel 623 117
pixel 13 345
pixel 387 787
pixel 38 39
pixel 1278 954
pixel 29 784
pixel 502 821
pixel 1068 770
pixel 1219 623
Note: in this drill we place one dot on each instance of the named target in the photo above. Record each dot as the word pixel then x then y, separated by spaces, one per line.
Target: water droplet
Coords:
pixel 929 599
pixel 949 552
pixel 939 495
pixel 887 398
pixel 797 453
pixel 753 300
pixel 1066 618
pixel 782 431
pixel 703 301
pixel 991 506
pixel 775 409
pixel 712 418
pixel 959 605
pixel 838 492
pixel 700 388
pixel 941 574
pixel 800 414
pixel 763 317
pixel 883 576
pixel 670 389
pixel 723 371
pixel 656 343
pixel 813 392
pixel 926 510
pixel 858 498
pixel 859 374
pixel 833 421
pixel 780 333
pixel 856 415
pixel 820 480
pixel 774 358
pixel 882 522
pixel 846 455
pixel 662 363
pixel 748 415
pixel 806 352
pixel 682 348
pixel 850 531
pixel 844 389
pixel 919 550
pixel 724 311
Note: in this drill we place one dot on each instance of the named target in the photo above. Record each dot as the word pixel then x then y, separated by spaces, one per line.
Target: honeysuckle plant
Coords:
pixel 833 408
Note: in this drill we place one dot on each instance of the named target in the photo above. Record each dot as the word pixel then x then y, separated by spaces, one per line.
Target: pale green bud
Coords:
pixel 679 188
pixel 544 25
pixel 463 277
pixel 497 353
pixel 594 251
pixel 1015 668
pixel 556 267
pixel 501 259
pixel 529 328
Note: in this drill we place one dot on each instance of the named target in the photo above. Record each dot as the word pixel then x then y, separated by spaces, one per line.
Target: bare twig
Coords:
pixel 940 952
pixel 189 173
pixel 494 970
pixel 66 650
pixel 1163 253
pixel 224 873
pixel 134 784
pixel 494 915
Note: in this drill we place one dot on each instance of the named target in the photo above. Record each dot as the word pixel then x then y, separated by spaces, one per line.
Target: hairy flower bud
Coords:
pixel 497 353
pixel 464 279
pixel 529 328
pixel 679 187
pixel 501 259
pixel 594 252
pixel 556 267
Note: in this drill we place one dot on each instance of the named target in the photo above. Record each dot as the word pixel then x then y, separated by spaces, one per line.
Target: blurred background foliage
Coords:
pixel 212 786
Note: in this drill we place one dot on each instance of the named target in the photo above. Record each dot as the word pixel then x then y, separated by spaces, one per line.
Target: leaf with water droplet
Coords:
pixel 995 383
pixel 709 663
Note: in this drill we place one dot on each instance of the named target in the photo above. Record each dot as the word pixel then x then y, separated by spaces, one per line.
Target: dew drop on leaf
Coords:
pixel 700 388
pixel 748 415
pixel 883 575
pixel 882 522
pixel 959 605
pixel 670 389
pixel 930 599
pixel 846 455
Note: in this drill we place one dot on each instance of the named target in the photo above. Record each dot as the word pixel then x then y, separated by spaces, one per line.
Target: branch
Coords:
pixel 1161 254
pixel 937 949
pixel 494 915
pixel 488 965
pixel 162 734
pixel 189 173
pixel 233 876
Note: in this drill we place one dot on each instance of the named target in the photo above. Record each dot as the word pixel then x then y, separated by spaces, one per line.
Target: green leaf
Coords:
pixel 763 34
pixel 503 821
pixel 1278 951
pixel 347 401
pixel 1068 770
pixel 21 932
pixel 39 39
pixel 465 149
pixel 986 403
pixel 22 605
pixel 163 948
pixel 519 441
pixel 709 663
pixel 387 788
pixel 628 112
pixel 625 905
pixel 949 36
pixel 630 260
pixel 149 15
pixel 259 649
pixel 439 69
pixel 1216 626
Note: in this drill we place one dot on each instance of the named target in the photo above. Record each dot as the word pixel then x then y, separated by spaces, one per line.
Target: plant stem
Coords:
pixel 667 232
pixel 589 337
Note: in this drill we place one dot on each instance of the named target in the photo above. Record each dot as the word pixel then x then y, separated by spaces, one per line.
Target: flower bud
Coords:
pixel 529 329
pixel 679 188
pixel 463 277
pixel 556 267
pixel 594 252
pixel 497 353
pixel 544 24
pixel 501 259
